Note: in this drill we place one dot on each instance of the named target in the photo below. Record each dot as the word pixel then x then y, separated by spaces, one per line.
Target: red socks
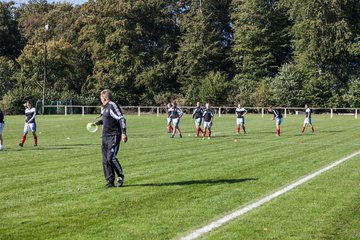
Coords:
pixel 278 131
pixel 238 130
pixel 170 128
pixel 23 139
pixel 198 130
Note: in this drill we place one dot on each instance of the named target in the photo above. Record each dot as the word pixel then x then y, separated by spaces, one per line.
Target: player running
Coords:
pixel 197 114
pixel 2 124
pixel 279 118
pixel 169 118
pixel 307 120
pixel 208 116
pixel 30 124
pixel 176 114
pixel 240 120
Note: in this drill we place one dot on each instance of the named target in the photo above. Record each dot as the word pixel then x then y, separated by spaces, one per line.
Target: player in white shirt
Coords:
pixel 240 120
pixel 30 124
pixel 307 120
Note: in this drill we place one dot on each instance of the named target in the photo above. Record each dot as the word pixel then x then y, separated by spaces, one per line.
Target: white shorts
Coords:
pixel 169 120
pixel 2 125
pixel 176 122
pixel 240 121
pixel 307 121
pixel 29 126
pixel 207 125
pixel 198 121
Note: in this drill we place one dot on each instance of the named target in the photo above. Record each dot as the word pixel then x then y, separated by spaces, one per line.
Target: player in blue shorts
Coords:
pixel 197 114
pixel 308 112
pixel 279 118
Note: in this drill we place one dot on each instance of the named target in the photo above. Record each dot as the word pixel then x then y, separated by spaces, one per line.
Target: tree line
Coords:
pixel 252 52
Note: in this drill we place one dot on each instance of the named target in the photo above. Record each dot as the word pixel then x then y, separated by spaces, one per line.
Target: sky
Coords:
pixel 70 1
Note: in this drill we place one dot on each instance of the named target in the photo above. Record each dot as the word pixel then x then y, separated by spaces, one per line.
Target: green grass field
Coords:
pixel 174 186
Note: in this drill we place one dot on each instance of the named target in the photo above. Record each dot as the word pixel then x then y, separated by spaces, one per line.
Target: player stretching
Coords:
pixel 169 118
pixel 208 116
pixel 307 120
pixel 240 120
pixel 176 114
pixel 197 114
pixel 30 124
pixel 279 119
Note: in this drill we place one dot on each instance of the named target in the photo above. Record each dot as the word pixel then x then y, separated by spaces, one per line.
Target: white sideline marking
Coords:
pixel 248 208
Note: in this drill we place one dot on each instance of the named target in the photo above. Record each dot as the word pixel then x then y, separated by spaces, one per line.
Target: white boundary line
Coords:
pixel 197 233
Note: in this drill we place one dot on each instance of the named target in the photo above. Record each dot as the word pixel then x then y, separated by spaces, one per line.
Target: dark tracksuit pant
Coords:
pixel 110 147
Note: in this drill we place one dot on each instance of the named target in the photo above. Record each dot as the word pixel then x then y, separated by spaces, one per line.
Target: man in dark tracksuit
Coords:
pixel 114 129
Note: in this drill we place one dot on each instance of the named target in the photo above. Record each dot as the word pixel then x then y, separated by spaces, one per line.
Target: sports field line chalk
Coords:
pixel 213 225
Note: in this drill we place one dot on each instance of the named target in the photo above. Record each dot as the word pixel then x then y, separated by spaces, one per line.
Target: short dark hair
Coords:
pixel 107 94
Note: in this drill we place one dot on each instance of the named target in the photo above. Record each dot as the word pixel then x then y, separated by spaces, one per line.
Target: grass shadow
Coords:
pixel 193 182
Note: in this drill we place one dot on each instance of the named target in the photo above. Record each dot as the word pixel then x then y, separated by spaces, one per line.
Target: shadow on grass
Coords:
pixel 51 147
pixel 193 182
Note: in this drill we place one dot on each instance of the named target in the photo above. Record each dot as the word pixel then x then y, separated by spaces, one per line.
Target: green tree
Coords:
pixel 322 32
pixel 203 44
pixel 214 88
pixel 10 38
pixel 251 50
pixel 32 19
pixel 62 68
pixel 256 49
pixel 7 71
pixel 286 89
pixel 131 44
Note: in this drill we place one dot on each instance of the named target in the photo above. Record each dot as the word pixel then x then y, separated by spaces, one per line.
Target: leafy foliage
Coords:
pixel 256 52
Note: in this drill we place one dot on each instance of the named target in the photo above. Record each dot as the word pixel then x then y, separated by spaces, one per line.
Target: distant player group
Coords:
pixel 174 114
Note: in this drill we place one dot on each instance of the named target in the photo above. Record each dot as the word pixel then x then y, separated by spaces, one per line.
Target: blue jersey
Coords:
pixel 240 112
pixel 176 113
pixel 198 112
pixel 277 113
pixel 208 115
pixel 30 115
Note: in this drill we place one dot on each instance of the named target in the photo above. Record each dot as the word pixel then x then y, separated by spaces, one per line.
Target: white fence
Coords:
pixel 158 110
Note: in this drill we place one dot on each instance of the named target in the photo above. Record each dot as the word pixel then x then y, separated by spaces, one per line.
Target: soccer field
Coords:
pixel 175 186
